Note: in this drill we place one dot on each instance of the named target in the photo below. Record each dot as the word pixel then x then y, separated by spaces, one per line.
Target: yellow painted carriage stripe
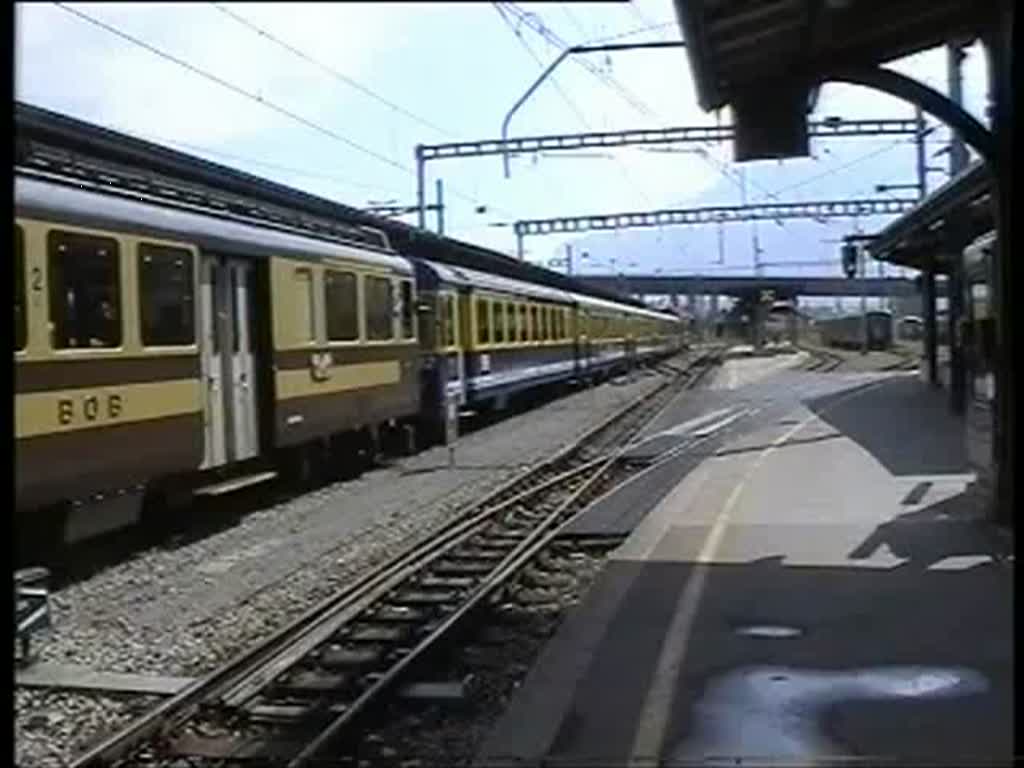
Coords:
pixel 342 378
pixel 39 413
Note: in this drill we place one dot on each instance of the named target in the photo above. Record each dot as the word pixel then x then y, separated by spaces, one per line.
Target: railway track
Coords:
pixel 822 360
pixel 286 701
pixel 908 360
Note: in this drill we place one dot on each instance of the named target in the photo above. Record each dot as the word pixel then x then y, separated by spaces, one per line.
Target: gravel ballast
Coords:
pixel 184 610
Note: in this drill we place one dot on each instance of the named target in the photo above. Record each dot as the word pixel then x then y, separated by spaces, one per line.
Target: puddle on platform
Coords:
pixel 775 712
pixel 769 631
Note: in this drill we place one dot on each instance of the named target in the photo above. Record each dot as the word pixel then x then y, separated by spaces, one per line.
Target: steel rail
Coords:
pixel 227 678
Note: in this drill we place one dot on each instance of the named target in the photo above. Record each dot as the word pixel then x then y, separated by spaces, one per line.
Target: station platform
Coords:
pixel 817 587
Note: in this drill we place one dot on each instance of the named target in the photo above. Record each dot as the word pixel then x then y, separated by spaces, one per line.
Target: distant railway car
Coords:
pixel 848 332
pixel 911 328
pixel 655 334
pixel 778 322
pixel 490 337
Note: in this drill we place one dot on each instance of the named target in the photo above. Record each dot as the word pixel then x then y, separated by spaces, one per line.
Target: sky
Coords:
pixel 333 98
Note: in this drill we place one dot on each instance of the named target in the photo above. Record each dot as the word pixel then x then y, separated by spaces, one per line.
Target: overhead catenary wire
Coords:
pixel 625 174
pixel 332 72
pixel 234 88
pixel 254 97
pixel 307 172
pixel 839 169
pixel 572 18
pixel 629 33
pixel 535 22
pixel 555 84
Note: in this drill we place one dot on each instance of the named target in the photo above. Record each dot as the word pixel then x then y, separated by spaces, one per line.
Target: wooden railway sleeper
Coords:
pixel 398 614
pixel 432 581
pixel 424 597
pixel 338 656
pixel 459 567
pixel 364 632
pixel 477 554
pixel 310 683
pixel 499 538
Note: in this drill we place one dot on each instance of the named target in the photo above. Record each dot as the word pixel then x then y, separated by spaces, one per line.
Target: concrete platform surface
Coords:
pixel 819 588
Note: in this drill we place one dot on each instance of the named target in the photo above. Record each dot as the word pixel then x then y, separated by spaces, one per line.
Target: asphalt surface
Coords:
pixel 809 582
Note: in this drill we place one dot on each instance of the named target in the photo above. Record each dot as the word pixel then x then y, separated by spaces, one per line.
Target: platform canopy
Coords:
pixel 764 58
pixel 940 225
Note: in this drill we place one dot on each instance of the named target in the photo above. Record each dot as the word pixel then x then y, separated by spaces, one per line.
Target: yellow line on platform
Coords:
pixel 653 722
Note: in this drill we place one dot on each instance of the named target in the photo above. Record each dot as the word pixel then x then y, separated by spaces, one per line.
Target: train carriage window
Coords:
pixel 524 325
pixel 408 310
pixel 341 304
pixel 499 322
pixel 305 320
pixel 380 306
pixel 20 331
pixel 534 323
pixel 483 321
pixel 510 322
pixel 85 290
pixel 166 296
pixel 545 323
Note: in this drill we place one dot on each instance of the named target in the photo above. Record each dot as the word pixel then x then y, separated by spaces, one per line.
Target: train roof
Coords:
pixel 52 139
pixel 596 303
pixel 46 198
pixel 453 275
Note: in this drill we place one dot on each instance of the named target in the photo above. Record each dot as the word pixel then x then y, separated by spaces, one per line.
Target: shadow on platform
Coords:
pixel 941 531
pixel 912 662
pixel 905 425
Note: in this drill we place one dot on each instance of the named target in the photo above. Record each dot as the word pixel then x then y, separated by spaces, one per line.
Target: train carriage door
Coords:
pixel 214 421
pixel 450 344
pixel 228 360
pixel 245 434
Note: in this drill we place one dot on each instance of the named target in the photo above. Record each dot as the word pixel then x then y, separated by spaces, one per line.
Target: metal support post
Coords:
pixel 520 253
pixel 451 427
pixel 862 269
pixel 957 151
pixel 1005 279
pixel 568 259
pixel 930 327
pixel 957 240
pixel 421 203
pixel 957 371
pixel 922 166
pixel 440 207
pixel 551 68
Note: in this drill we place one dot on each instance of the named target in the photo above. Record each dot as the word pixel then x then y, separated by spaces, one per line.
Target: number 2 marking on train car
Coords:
pixel 91 408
